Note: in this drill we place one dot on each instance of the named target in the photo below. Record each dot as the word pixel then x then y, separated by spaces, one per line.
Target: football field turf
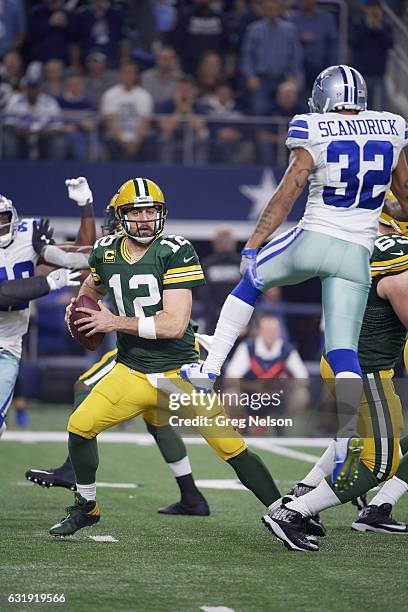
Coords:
pixel 174 563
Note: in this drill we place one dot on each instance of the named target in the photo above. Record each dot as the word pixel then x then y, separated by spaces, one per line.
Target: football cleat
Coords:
pixel 202 381
pixel 54 477
pixel 289 527
pixel 82 514
pixel 360 502
pixel 378 519
pixel 346 460
pixel 314 525
pixel 201 508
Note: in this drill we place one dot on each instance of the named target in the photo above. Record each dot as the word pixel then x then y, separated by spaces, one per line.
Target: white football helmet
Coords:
pixel 6 206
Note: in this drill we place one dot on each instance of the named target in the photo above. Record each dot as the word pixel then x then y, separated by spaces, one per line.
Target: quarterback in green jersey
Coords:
pixel 149 277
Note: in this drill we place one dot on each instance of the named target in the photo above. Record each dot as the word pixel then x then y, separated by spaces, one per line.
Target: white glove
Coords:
pixel 79 191
pixel 62 278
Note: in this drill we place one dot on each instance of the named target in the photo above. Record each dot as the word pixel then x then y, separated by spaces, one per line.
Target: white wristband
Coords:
pixel 147 328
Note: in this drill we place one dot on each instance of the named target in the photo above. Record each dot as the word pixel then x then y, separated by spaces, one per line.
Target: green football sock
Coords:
pixel 365 481
pixel 84 457
pixel 255 476
pixel 169 442
pixel 402 472
pixel 404 445
pixel 174 453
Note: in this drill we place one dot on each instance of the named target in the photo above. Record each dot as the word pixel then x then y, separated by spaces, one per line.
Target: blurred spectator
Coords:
pixel 199 29
pixel 77 114
pixel 254 11
pixel 226 137
pixel 180 135
pixel 48 32
pixel 12 25
pixel 165 17
pixel 209 73
pixel 221 270
pixel 269 139
pixel 53 83
pixel 12 69
pixel 161 81
pixel 318 35
pixel 99 78
pixel 371 39
pixel 33 126
pixel 100 26
pixel 140 25
pixel 267 355
pixel 271 54
pixel 126 110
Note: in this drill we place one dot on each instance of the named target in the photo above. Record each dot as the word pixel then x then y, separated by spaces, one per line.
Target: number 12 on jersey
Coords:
pixel 136 281
pixel 359 186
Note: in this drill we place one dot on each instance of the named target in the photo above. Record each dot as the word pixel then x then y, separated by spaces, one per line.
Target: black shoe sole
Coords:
pixel 186 510
pixel 278 532
pixel 49 480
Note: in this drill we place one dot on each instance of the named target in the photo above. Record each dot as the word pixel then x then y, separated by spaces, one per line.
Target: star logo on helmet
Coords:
pixel 320 80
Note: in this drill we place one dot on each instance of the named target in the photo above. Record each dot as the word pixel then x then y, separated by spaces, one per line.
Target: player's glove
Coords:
pixel 248 268
pixel 42 235
pixel 62 278
pixel 79 191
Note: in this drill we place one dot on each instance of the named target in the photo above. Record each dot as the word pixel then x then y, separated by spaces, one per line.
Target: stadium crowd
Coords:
pixel 171 81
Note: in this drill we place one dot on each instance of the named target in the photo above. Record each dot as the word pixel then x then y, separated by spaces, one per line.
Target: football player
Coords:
pixel 149 277
pixel 381 342
pixel 168 440
pixel 22 244
pixel 350 156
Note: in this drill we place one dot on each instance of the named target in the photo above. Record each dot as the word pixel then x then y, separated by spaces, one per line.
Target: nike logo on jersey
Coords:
pixel 399 253
pixel 189 259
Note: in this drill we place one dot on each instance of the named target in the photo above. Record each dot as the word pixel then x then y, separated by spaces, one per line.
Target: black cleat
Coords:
pixel 289 527
pixel 314 525
pixel 54 477
pixel 360 502
pixel 378 519
pixel 201 508
pixel 82 514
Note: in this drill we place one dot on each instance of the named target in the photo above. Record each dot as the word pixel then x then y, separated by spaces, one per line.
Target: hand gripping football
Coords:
pixel 91 342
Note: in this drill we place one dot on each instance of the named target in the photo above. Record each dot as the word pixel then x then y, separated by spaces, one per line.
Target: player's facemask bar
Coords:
pixel 7 238
pixel 126 223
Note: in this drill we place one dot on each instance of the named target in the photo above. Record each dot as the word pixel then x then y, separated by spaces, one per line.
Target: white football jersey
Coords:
pixel 354 156
pixel 16 261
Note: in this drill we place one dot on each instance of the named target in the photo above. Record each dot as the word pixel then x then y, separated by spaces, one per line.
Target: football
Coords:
pixel 92 342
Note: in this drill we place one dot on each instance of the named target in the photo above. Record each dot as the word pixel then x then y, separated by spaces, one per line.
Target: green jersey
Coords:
pixel 382 336
pixel 136 289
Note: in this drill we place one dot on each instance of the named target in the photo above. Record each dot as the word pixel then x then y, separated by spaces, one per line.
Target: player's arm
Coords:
pixel 395 290
pixel 399 184
pixel 281 203
pixel 13 292
pixel 80 192
pixel 171 322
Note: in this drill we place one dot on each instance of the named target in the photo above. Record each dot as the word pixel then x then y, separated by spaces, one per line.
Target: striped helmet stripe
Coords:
pixel 146 186
pixel 351 84
pixel 142 190
pixel 343 74
pixel 136 186
pixel 353 74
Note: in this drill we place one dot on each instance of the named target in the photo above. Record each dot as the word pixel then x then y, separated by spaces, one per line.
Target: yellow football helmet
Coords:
pixel 139 193
pixel 400 227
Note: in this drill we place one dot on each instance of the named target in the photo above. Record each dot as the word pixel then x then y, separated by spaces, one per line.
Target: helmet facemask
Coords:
pixel 11 226
pixel 110 222
pixel 155 223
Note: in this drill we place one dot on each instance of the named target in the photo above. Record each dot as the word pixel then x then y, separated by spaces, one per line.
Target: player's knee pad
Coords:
pixel 246 292
pixel 81 422
pixel 344 360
